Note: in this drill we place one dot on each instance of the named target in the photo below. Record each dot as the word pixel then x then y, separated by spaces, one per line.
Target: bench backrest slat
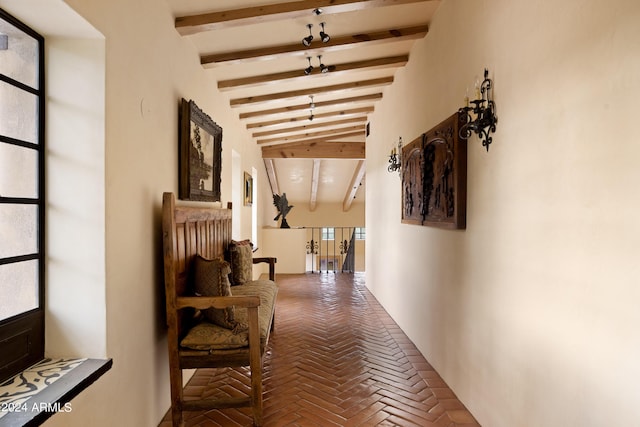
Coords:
pixel 188 232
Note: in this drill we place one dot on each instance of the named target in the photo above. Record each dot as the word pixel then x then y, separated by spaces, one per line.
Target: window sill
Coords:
pixel 37 393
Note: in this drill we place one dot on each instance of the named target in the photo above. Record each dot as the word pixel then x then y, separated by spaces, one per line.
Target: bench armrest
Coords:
pixel 272 265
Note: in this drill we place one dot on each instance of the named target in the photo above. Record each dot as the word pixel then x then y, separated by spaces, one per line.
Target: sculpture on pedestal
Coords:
pixel 281 203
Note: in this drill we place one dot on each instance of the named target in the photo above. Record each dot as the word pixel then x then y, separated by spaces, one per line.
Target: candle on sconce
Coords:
pixel 478 95
pixel 466 97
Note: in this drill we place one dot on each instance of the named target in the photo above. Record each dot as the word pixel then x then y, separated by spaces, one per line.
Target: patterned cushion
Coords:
pixel 212 280
pixel 267 291
pixel 240 256
pixel 207 336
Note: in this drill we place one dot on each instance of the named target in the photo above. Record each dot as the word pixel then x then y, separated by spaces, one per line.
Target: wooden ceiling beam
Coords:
pixel 332 132
pixel 328 138
pixel 358 174
pixel 298 119
pixel 315 179
pixel 315 150
pixel 291 108
pixel 309 126
pixel 193 24
pixel 298 49
pixel 271 175
pixel 369 64
pixel 383 81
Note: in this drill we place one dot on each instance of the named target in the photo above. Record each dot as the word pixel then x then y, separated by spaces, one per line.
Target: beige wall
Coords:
pixel 530 314
pixel 127 70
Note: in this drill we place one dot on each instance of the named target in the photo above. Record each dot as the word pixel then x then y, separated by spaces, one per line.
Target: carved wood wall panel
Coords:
pixel 434 177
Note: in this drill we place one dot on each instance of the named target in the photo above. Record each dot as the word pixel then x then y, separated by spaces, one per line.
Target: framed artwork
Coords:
pixel 248 189
pixel 200 154
pixel 434 177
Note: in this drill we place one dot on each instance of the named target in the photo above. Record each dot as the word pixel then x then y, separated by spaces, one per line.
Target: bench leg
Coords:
pixel 255 363
pixel 175 378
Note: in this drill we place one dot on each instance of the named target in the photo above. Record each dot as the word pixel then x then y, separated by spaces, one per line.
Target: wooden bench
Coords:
pixel 187 233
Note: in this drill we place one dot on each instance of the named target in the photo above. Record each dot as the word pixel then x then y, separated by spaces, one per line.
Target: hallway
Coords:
pixel 336 358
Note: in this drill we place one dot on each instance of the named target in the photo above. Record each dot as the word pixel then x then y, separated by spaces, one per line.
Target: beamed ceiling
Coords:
pixel 254 51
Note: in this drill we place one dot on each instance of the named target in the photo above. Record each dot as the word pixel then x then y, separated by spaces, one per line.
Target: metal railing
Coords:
pixel 335 249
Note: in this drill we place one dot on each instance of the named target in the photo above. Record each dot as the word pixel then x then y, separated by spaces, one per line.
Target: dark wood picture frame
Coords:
pixel 248 189
pixel 200 154
pixel 434 177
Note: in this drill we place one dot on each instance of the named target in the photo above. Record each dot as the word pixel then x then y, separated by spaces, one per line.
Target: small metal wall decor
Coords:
pixel 481 116
pixel 434 176
pixel 200 154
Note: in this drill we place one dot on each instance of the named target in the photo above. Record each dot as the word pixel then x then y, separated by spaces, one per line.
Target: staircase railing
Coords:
pixel 335 249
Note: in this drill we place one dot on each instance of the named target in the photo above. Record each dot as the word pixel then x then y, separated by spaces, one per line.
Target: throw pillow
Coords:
pixel 240 256
pixel 212 280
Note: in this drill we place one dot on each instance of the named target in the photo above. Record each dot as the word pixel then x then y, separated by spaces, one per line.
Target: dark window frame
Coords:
pixel 22 336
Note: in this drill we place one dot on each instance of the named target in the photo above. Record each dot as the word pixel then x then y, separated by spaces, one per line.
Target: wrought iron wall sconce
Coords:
pixel 481 115
pixel 395 157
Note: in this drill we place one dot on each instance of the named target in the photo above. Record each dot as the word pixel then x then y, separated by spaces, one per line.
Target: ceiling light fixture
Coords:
pixel 307 40
pixel 323 68
pixel 312 105
pixel 317 11
pixel 324 36
pixel 309 69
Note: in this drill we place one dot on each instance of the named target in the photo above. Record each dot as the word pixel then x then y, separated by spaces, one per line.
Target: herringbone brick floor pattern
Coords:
pixel 336 358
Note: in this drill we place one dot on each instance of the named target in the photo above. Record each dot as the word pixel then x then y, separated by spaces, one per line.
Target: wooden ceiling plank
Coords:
pixel 291 108
pixel 309 126
pixel 299 119
pixel 315 179
pixel 383 81
pixel 360 129
pixel 371 64
pixel 271 175
pixel 298 49
pixel 315 150
pixel 358 174
pixel 193 24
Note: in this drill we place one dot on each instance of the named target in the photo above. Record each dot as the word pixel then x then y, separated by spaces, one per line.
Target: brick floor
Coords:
pixel 336 358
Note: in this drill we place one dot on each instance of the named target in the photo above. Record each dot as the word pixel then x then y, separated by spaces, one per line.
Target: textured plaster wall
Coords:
pixel 530 314
pixel 143 69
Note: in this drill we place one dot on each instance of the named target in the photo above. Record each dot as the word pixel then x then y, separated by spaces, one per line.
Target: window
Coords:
pixel 21 196
pixel 360 233
pixel 328 233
